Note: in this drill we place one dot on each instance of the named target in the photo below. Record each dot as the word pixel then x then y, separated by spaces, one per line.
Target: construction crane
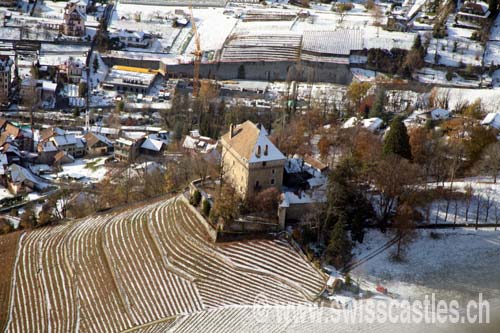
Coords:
pixel 197 55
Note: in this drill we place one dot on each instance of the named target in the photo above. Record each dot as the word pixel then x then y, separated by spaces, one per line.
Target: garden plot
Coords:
pixel 155 20
pixel 433 76
pixel 90 170
pixel 454 52
pixel 50 9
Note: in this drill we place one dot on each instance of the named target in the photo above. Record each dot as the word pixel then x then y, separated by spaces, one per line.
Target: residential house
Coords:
pixel 21 180
pixel 48 92
pixel 251 162
pixel 21 136
pixel 74 20
pixel 152 148
pixel 97 144
pixel 130 38
pixel 69 144
pixel 30 92
pixel 46 152
pixel 81 5
pixel 47 133
pixel 130 79
pixel 161 135
pixel 473 14
pixel 127 149
pixel 5 78
pixel 108 132
pixel 198 143
pixel 72 70
pixel 304 188
pixel 61 158
pixel 11 151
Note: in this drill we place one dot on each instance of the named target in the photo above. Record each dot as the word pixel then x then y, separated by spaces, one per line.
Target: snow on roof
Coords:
pixel 251 143
pixel 3 159
pixel 97 137
pixel 492 119
pixel 3 162
pixel 47 146
pixel 201 143
pixel 439 113
pixel 162 136
pixel 19 174
pixel 351 122
pixel 64 140
pixel 10 148
pixel 291 198
pixel 125 141
pixel 339 42
pixel 80 143
pixel 49 86
pixel 124 33
pixel 51 59
pixel 297 165
pixel 371 124
pixel 104 130
pixel 152 144
pixel 134 135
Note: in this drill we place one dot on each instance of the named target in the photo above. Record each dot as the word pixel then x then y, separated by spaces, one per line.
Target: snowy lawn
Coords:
pixel 90 170
pixel 484 206
pixel 460 261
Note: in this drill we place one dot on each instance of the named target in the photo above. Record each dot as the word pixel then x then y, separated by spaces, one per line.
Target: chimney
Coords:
pixel 266 150
pixel 258 151
pixel 231 131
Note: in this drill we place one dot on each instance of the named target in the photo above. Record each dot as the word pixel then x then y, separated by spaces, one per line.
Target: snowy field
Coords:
pixel 484 206
pixel 430 266
pixel 433 76
pixel 213 26
pixel 87 170
pixel 489 97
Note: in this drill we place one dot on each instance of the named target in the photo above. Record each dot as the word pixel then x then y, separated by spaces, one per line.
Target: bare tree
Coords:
pixel 394 178
pixel 490 161
pixel 404 227
pixel 477 210
pixel 487 205
pixel 469 195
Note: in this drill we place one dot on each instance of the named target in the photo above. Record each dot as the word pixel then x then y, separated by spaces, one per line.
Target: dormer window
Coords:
pixel 258 151
pixel 266 150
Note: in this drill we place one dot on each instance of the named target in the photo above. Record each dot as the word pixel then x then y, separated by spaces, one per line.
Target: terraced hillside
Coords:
pixel 141 269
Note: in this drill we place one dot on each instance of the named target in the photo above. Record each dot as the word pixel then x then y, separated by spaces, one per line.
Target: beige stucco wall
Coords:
pixel 243 177
pixel 235 171
pixel 264 173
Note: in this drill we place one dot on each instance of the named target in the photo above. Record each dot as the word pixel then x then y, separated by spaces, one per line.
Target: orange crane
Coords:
pixel 197 55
